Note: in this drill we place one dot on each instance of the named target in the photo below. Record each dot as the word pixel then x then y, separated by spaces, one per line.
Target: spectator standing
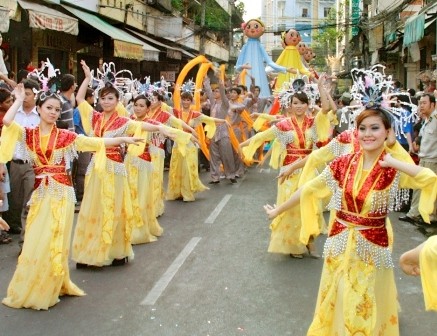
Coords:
pixel 68 86
pixel 427 153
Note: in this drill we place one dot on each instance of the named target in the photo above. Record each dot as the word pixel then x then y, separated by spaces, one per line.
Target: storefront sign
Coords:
pixel 128 50
pixel 169 76
pixel 46 21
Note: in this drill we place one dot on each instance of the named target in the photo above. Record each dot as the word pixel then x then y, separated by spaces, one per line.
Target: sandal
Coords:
pixel 4 238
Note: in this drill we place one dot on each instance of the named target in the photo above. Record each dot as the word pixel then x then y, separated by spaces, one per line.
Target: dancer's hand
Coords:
pixel 409 261
pixel 133 140
pixel 270 211
pixel 86 69
pixel 285 174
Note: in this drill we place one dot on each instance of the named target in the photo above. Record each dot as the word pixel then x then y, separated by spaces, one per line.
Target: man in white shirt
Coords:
pixel 22 176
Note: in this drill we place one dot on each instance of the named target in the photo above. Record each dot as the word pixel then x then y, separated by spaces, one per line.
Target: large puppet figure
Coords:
pixel 290 58
pixel 253 56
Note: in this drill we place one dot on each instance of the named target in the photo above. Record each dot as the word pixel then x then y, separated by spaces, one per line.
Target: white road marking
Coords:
pixel 163 282
pixel 218 209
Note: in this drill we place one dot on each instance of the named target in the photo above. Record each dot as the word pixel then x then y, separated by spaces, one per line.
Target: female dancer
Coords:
pixel 357 293
pixel 104 225
pixel 140 175
pixel 183 180
pixel 42 273
pixel 158 114
pixel 294 139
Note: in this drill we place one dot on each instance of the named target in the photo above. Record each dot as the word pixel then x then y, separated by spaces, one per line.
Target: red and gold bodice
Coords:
pixel 158 117
pixel 373 188
pixel 297 138
pixel 187 117
pixel 114 126
pixel 50 162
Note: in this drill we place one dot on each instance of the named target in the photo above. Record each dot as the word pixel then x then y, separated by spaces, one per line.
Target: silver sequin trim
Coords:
pixel 140 163
pixel 368 252
pixel 337 192
pixel 54 189
pixel 111 167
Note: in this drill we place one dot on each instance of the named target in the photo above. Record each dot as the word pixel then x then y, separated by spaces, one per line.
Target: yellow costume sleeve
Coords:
pixel 261 120
pixel 323 126
pixel 97 145
pixel 10 136
pixel 121 110
pixel 398 152
pixel 175 122
pixel 137 150
pixel 166 108
pixel 332 118
pixel 428 272
pixel 310 208
pixel 426 181
pixel 256 141
pixel 210 126
pixel 316 159
pixel 86 112
pixel 181 139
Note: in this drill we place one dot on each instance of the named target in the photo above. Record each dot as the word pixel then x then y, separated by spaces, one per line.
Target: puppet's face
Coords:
pixel 309 55
pixel 302 47
pixel 253 29
pixel 292 38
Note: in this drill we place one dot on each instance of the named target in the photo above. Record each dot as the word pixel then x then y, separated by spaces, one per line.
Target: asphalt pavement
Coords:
pixel 209 274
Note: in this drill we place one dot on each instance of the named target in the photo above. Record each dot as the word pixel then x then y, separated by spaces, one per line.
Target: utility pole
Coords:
pixel 202 27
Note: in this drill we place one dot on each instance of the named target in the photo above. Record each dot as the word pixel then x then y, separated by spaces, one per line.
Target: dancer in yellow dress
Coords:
pixel 357 293
pixel 183 179
pixel 294 138
pixel 104 226
pixel 42 273
pixel 140 169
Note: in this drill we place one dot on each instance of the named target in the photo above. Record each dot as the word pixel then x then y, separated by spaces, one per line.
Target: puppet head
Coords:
pixel 309 55
pixel 291 37
pixel 302 48
pixel 254 28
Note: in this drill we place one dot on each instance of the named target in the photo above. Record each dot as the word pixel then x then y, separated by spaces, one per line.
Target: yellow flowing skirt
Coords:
pixel 355 298
pixel 146 227
pixel 104 225
pixel 158 180
pixel 285 229
pixel 42 273
pixel 183 177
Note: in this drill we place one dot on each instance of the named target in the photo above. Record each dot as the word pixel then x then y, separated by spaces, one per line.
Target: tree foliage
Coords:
pixel 325 38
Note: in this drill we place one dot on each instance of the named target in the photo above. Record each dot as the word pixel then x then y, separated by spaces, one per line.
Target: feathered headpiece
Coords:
pixel 189 87
pixel 295 86
pixel 48 76
pixel 121 80
pixel 373 89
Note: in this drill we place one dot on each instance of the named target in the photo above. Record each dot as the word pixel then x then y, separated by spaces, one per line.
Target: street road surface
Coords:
pixel 209 274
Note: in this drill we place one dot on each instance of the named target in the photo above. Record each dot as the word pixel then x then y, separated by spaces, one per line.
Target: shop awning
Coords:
pixel 172 52
pixel 125 45
pixel 414 29
pixel 43 17
pixel 415 25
